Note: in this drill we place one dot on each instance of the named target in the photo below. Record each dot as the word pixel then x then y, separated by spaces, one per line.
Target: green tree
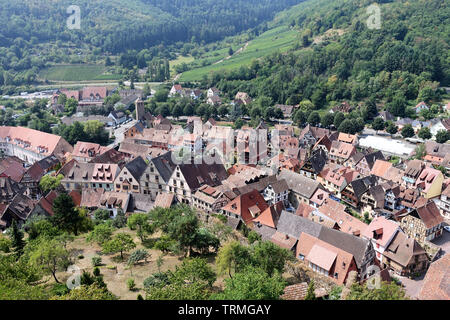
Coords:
pixel 270 257
pixel 121 242
pixel 314 118
pixel 398 106
pixel 378 124
pixel 391 128
pixel 16 236
pixel 339 117
pixel 407 131
pixel 49 182
pixel 101 234
pixel 161 95
pixel 5 244
pixel 300 118
pixel 137 256
pixel 71 106
pixel 347 126
pixel 140 221
pixel 101 215
pixel 442 136
pixel 252 284
pixel 387 291
pixel 424 133
pixel 420 151
pixel 232 257
pixel 310 295
pixel 84 292
pixel 66 217
pixel 327 120
pixel 306 106
pixel 41 226
pixel 253 237
pixel 51 256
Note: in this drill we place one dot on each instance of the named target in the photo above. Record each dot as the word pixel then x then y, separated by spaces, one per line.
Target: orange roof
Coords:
pixel 433 159
pixel 380 168
pixel 87 149
pixel 29 139
pixel 269 217
pixel 347 137
pixel 303 210
pixel 347 223
pixel 247 205
pixel 436 282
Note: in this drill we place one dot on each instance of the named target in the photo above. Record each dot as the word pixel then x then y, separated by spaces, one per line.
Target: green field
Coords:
pixel 77 73
pixel 278 39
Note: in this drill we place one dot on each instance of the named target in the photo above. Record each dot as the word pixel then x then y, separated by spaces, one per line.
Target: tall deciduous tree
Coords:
pixel 51 256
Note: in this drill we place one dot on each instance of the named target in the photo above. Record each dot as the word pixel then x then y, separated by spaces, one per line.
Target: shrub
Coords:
pixel 253 237
pixel 158 279
pixel 96 261
pixel 138 255
pixel 96 271
pixel 131 284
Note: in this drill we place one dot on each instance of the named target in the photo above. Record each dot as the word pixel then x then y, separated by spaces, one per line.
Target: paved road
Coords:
pixel 412 286
pixel 119 133
pixel 443 242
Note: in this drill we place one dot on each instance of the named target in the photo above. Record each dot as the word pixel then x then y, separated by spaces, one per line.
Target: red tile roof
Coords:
pixel 436 285
pixel 248 206
pixel 430 214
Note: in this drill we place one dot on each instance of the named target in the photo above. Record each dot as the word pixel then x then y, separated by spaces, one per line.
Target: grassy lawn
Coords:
pixel 278 39
pixel 179 60
pixel 77 73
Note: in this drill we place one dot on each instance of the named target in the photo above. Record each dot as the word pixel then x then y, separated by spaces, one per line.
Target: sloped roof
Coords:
pixel 30 139
pixel 270 216
pixel 164 200
pixel 402 249
pixel 248 206
pixel 361 186
pixel 355 245
pixel 388 228
pixel 91 197
pixel 299 183
pixel 198 174
pixel 436 285
pixel 380 168
pixel 136 167
pixel 294 225
pixel 429 214
pixel 164 165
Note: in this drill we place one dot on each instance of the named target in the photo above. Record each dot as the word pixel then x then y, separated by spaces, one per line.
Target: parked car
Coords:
pixel 447 228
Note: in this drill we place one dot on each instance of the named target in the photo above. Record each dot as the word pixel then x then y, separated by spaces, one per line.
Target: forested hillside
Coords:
pixel 33 32
pixel 406 59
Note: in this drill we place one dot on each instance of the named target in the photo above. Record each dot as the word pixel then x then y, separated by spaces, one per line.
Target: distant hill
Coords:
pixel 116 25
pixel 335 56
